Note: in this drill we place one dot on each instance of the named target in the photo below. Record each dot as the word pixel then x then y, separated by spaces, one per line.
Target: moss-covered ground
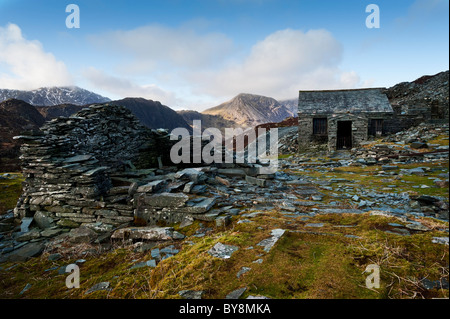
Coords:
pixel 10 189
pixel 307 262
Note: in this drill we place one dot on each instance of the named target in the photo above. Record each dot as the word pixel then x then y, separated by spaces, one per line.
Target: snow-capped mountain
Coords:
pixel 49 96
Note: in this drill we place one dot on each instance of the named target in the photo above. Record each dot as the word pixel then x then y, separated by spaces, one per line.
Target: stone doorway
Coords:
pixel 344 135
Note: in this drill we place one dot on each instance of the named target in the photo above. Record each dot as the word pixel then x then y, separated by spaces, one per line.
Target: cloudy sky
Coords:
pixel 194 54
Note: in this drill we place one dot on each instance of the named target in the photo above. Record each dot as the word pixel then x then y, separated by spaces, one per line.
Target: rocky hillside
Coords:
pixel 429 92
pixel 249 110
pixel 312 230
pixel 15 116
pixel 153 114
pixel 208 120
pixel 54 111
pixel 54 96
pixel 291 106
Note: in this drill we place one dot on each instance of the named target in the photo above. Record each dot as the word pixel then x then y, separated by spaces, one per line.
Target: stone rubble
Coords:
pixel 93 174
pixel 77 193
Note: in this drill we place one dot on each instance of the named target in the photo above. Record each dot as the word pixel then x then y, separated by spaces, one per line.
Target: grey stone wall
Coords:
pixel 76 167
pixel 306 138
pixel 359 129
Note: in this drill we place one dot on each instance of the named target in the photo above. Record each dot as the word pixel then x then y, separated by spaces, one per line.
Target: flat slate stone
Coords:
pixel 242 271
pixel 151 187
pixel 199 207
pixel 149 263
pixel 78 158
pixel 95 171
pixel 32 234
pixel 25 252
pixel 166 200
pixel 82 235
pixel 255 181
pixel 257 297
pixel 305 203
pixel 440 240
pixel 314 225
pixel 27 286
pixel 416 226
pixel 153 233
pixel 97 287
pixel 25 225
pixel 191 294
pixel 270 242
pixel 231 171
pixel 236 294
pixel 340 211
pixel 222 251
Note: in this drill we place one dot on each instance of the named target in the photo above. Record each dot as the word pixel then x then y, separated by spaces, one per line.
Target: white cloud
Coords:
pixel 25 65
pixel 122 87
pixel 209 66
pixel 283 63
pixel 150 48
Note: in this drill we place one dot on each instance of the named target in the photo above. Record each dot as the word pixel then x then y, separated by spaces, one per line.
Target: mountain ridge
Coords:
pixel 50 96
pixel 250 110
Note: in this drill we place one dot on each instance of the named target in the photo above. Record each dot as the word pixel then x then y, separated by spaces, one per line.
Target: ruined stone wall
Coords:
pixel 305 132
pixel 75 166
pixel 392 123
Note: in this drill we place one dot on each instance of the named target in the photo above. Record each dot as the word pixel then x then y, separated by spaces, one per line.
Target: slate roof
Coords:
pixel 355 101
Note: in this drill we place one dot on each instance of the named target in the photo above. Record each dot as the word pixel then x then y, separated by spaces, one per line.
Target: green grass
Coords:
pixel 304 263
pixel 367 177
pixel 10 190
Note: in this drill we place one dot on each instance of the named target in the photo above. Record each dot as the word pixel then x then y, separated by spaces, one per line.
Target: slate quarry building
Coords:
pixel 342 118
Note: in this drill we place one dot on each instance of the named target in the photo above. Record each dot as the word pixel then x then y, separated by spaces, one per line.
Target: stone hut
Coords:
pixel 342 118
pixel 80 169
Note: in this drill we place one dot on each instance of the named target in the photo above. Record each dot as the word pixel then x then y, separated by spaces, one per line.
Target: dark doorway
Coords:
pixel 344 135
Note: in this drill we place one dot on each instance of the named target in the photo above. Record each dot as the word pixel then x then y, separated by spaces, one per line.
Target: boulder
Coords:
pixel 24 253
pixel 152 186
pixel 82 235
pixel 43 220
pixel 255 181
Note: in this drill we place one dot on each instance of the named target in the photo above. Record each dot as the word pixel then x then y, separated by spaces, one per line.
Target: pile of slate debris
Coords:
pixel 98 174
pixel 100 178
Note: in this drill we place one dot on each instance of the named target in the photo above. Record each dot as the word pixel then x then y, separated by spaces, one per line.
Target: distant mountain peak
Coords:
pixel 54 95
pixel 249 110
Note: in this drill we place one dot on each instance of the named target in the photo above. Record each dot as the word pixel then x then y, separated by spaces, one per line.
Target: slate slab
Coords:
pixel 222 251
pixel 268 243
pixel 236 294
pixel 24 253
pixel 191 294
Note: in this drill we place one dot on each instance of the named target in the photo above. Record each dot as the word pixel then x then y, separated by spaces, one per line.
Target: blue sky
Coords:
pixel 198 53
